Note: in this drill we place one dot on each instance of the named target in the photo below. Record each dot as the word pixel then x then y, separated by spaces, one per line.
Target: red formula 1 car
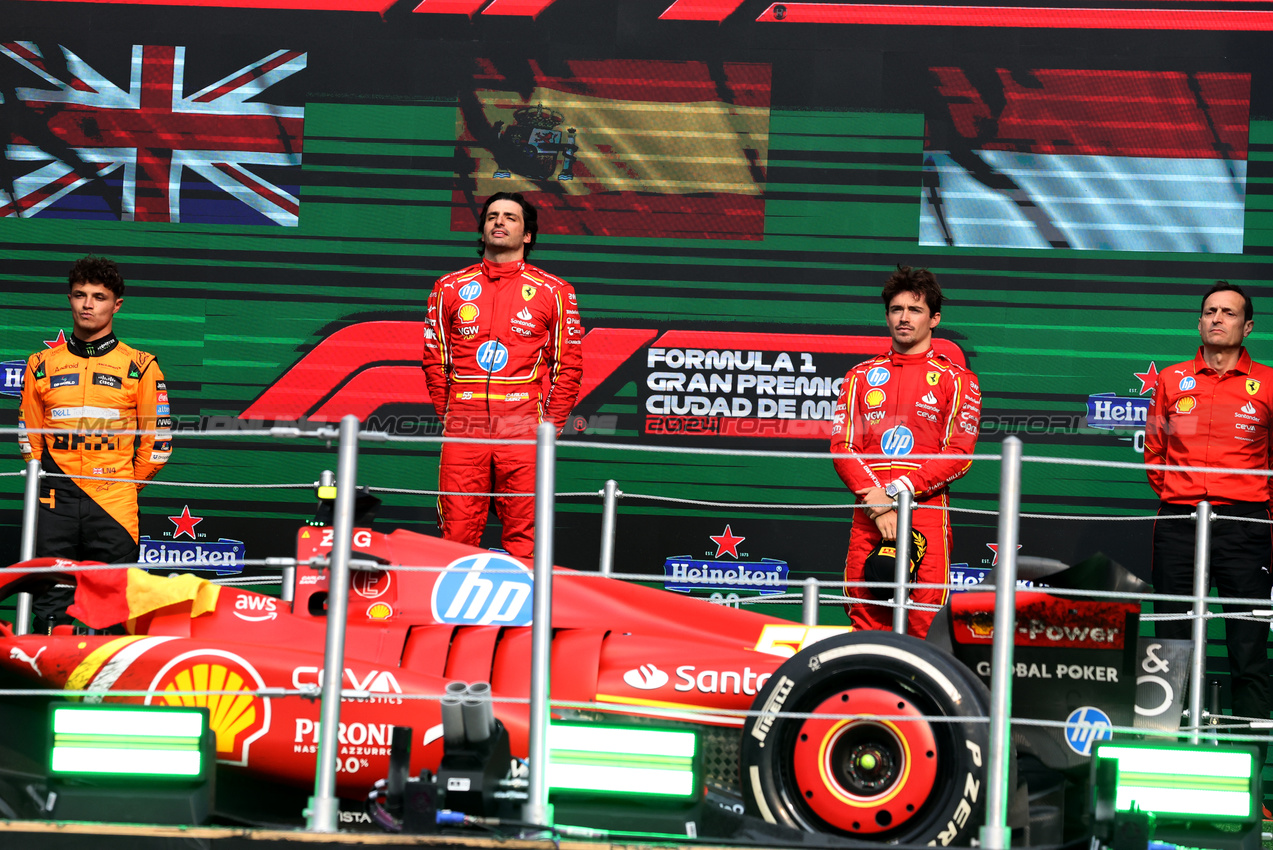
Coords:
pixel 616 647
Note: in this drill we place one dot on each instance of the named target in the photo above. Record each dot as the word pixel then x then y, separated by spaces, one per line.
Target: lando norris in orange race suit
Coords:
pixel 908 401
pixel 503 352
pixel 96 393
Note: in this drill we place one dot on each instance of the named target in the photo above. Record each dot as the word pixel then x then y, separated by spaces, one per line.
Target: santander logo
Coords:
pixel 647 677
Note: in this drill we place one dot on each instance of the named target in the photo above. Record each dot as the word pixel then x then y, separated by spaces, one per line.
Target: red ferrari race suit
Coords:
pixel 96 395
pixel 899 405
pixel 503 351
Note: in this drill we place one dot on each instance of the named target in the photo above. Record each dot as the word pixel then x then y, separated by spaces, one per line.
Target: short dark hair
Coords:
pixel 530 219
pixel 1225 286
pixel 93 269
pixel 922 282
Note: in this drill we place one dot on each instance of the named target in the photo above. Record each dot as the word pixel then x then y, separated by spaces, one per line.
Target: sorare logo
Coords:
pixel 482 590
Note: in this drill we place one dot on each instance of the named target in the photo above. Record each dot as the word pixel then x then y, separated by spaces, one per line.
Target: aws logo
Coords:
pixel 237 719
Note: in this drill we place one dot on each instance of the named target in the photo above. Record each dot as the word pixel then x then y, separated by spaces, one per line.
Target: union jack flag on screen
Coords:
pixel 150 145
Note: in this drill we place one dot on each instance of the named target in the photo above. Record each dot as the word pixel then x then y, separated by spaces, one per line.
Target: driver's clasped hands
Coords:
pixel 885 518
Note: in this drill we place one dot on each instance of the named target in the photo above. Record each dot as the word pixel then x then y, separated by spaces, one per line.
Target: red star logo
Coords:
pixel 994 547
pixel 1148 378
pixel 727 542
pixel 185 523
pixel 54 343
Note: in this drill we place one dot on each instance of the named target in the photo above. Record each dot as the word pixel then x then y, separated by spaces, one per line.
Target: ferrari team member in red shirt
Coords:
pixel 1214 411
pixel 97 393
pixel 909 400
pixel 503 351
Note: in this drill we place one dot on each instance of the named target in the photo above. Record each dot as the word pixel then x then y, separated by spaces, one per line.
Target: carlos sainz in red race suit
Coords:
pixel 503 352
pixel 907 401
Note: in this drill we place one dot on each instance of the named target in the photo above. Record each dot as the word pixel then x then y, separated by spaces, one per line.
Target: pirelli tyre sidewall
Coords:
pixel 875 775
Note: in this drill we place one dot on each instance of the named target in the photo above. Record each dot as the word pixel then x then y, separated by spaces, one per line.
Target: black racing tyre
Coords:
pixel 877 776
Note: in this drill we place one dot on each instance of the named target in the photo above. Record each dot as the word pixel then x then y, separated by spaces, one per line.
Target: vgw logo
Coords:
pixel 1085 726
pixel 492 356
pixel 465 596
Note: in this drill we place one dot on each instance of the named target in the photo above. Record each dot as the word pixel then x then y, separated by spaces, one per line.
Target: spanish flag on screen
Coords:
pixel 1085 159
pixel 633 148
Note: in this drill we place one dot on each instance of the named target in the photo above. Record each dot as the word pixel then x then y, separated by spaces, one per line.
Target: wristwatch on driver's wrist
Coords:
pixel 891 489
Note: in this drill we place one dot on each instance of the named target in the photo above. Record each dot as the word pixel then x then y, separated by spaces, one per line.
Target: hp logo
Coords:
pixel 470 291
pixel 877 377
pixel 492 356
pixel 1085 726
pixel 462 596
pixel 897 440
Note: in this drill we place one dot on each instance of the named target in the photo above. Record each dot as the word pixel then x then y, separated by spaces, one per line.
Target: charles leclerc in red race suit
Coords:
pixel 503 351
pixel 899 405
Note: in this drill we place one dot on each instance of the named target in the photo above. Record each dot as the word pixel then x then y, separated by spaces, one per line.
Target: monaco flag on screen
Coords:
pixel 619 148
pixel 149 140
pixel 1092 160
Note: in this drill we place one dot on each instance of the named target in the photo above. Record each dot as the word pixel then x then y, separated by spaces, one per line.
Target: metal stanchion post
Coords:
pixel 996 835
pixel 537 809
pixel 30 519
pixel 1201 586
pixel 609 508
pixel 324 806
pixel 902 565
pixel 809 608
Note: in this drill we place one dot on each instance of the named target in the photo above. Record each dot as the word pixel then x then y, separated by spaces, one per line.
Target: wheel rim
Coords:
pixel 865 775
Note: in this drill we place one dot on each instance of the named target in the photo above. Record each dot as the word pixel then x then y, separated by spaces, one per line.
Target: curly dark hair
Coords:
pixel 530 219
pixel 922 282
pixel 94 269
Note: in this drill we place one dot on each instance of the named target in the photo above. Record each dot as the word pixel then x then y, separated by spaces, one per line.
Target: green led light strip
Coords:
pixel 122 742
pixel 622 760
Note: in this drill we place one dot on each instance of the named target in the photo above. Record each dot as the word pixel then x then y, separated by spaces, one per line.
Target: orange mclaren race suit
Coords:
pixel 1198 417
pixel 96 396
pixel 503 351
pixel 900 405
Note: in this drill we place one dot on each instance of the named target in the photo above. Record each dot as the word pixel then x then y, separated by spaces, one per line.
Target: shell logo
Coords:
pixel 874 397
pixel 379 611
pixel 468 312
pixel 982 624
pixel 1185 404
pixel 237 719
